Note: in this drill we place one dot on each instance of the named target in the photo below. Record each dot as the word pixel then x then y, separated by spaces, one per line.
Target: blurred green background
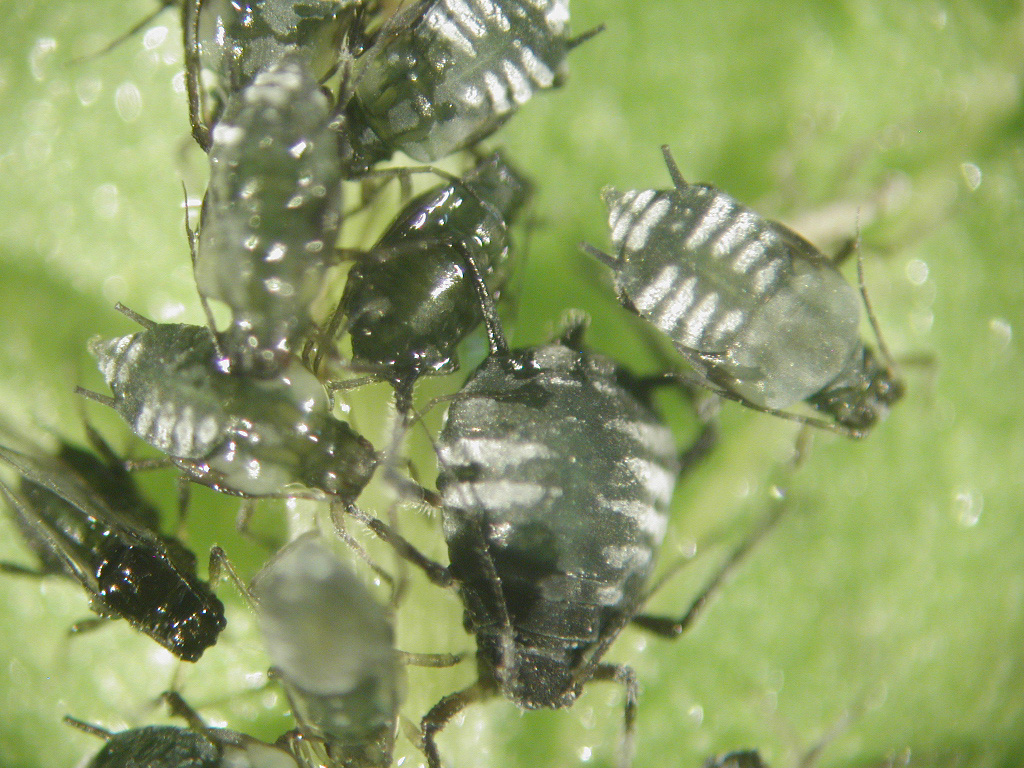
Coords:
pixel 891 598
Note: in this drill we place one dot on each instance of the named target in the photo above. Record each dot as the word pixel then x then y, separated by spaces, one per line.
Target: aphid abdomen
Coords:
pixel 271 213
pixel 569 476
pixel 333 645
pixel 145 588
pixel 751 305
pixel 158 746
pixel 447 73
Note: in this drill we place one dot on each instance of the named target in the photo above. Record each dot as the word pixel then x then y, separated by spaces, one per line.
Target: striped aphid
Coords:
pixel 443 74
pixel 761 314
pixel 240 435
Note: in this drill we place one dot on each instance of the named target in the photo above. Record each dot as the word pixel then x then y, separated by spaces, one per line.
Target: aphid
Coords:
pixel 744 759
pixel 240 435
pixel 443 74
pixel 271 214
pixel 410 300
pixel 74 512
pixel 231 41
pixel 332 645
pixel 555 479
pixel 167 746
pixel 762 315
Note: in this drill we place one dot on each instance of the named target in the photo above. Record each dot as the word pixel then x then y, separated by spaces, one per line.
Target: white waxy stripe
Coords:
pixel 207 430
pixel 493 13
pixel 497 455
pixel 184 432
pixel 463 15
pixel 496 89
pixel 495 495
pixel 676 306
pixel 620 216
pixel 163 429
pixel 651 437
pixel 641 201
pixel 658 481
pixel 729 323
pixel 648 517
pixel 144 418
pixel 653 294
pixel 538 71
pixel 641 231
pixel 473 96
pixel 629 555
pixel 748 256
pixel 742 227
pixel 557 16
pixel 439 22
pixel 699 319
pixel 765 277
pixel 520 86
pixel 713 218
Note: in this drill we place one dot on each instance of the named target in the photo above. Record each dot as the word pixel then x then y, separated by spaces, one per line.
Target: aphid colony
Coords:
pixel 556 470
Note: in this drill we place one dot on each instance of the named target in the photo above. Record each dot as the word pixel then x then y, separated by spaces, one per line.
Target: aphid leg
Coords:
pixel 190 27
pixel 92 730
pixel 144 465
pixel 441 713
pixel 181 708
pixel 626 677
pixel 437 660
pixel 339 528
pixel 193 250
pixel 220 568
pixel 87 625
pixel 246 510
pixel 495 334
pixel 134 30
pixel 673 170
pixel 106 400
pixel 184 498
pixel 14 569
pixel 671 628
pixel 434 571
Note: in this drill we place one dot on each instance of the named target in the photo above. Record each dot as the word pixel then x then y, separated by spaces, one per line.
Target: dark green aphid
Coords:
pixel 332 646
pixel 411 299
pixel 271 214
pixel 760 313
pixel 443 74
pixel 246 436
pixel 86 525
pixel 166 746
pixel 231 41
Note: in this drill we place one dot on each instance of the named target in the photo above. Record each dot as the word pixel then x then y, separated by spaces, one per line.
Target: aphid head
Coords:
pixel 341 462
pixel 862 396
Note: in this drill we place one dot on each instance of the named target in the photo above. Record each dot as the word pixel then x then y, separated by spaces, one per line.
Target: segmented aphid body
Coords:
pixel 550 456
pixel 757 310
pixel 229 42
pixel 129 570
pixel 444 74
pixel 250 437
pixel 411 298
pixel 165 746
pixel 332 645
pixel 271 214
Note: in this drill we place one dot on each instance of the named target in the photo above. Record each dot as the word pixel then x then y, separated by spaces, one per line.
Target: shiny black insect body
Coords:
pixel 232 41
pixel 246 436
pixel 760 313
pixel 80 516
pixel 411 299
pixel 443 74
pixel 332 646
pixel 271 214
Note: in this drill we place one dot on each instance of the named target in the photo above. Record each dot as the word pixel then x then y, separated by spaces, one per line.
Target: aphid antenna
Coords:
pixel 190 27
pixel 437 573
pixel 222 568
pixel 193 249
pixel 338 523
pixel 439 714
pixel 870 312
pixel 135 317
pixel 92 730
pixel 434 660
pixel 131 32
pixel 181 708
pixel 495 335
pixel 580 39
pixel 673 170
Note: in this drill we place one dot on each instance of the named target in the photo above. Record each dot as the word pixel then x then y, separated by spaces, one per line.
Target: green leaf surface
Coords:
pixel 889 601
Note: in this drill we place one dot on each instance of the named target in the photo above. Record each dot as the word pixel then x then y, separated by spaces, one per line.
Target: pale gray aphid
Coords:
pixel 271 214
pixel 332 645
pixel 240 435
pixel 444 74
pixel 758 311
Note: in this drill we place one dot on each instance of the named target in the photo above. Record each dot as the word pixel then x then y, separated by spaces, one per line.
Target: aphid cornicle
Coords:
pixel 75 519
pixel 443 74
pixel 410 299
pixel 332 646
pixel 271 214
pixel 760 313
pixel 234 40
pixel 250 437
